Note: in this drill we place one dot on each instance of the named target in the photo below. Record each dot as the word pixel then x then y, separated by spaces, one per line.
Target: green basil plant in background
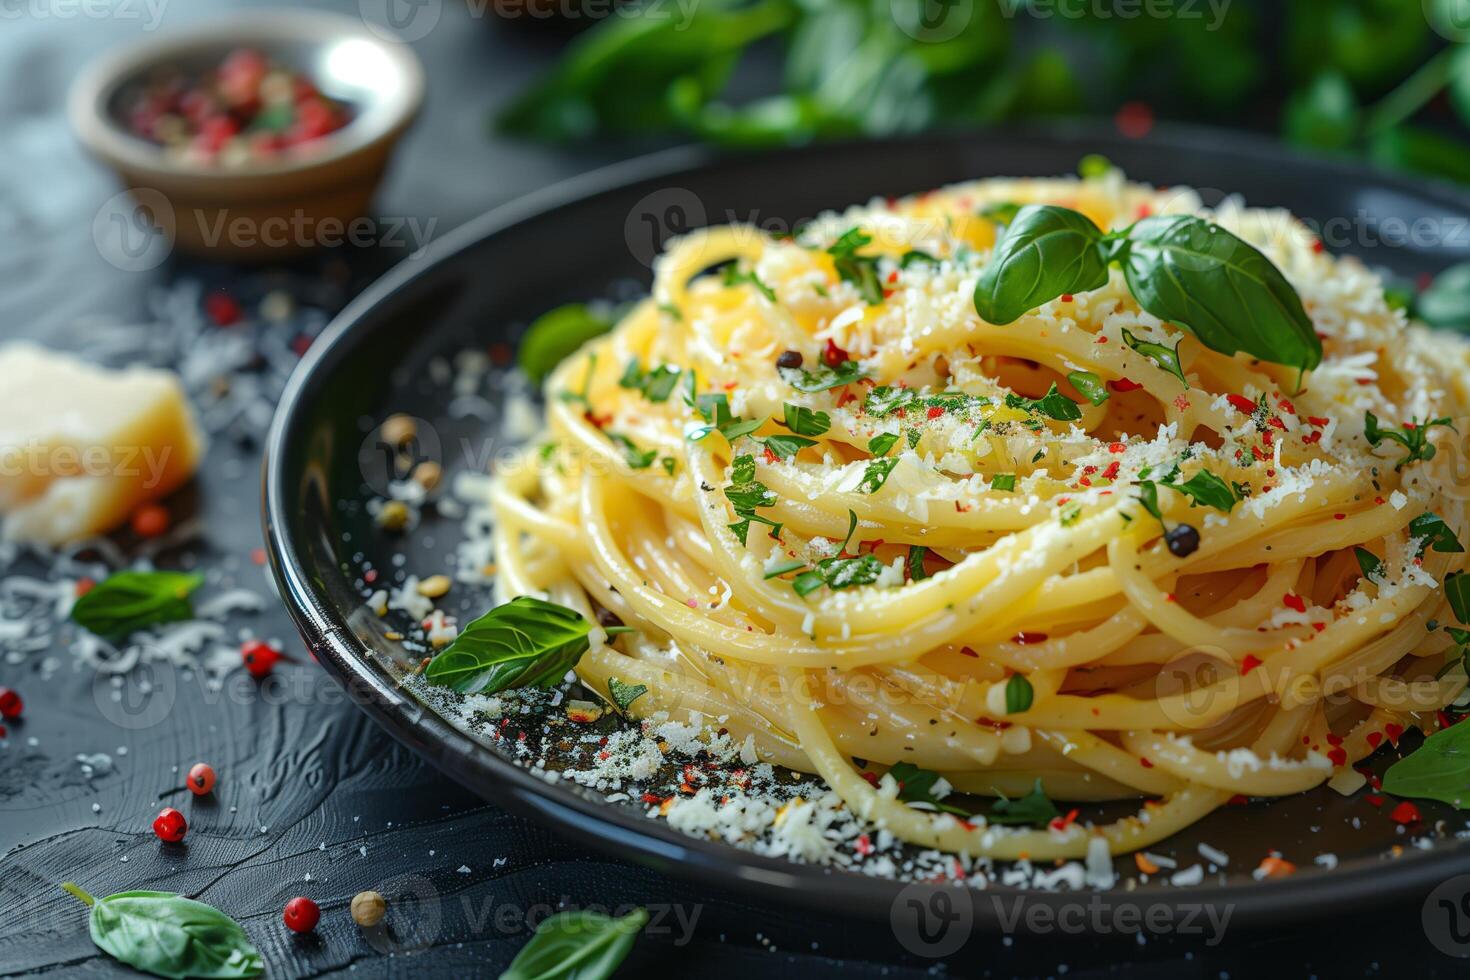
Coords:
pixel 1382 80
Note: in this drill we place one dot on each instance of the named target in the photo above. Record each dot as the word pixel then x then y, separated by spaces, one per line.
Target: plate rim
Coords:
pixel 619 831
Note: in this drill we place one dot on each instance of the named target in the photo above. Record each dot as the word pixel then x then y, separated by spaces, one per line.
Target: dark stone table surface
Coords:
pixel 313 798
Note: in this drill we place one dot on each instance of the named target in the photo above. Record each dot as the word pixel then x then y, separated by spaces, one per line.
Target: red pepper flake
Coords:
pixel 1393 732
pixel 1317 420
pixel 1124 384
pixel 1111 473
pixel 1060 824
pixel 834 355
pixel 1250 663
pixel 1276 423
pixel 85 585
pixel 966 651
pixel 1239 799
pixel 1405 813
pixel 845 398
pixel 222 309
pixel 652 798
pixel 1312 438
pixel 893 276
pixel 864 846
pixel 1294 601
pixel 1117 447
pixel 871 777
pixel 257 556
pixel 1143 761
pixel 1318 247
pixel 1319 627
pixel 1334 739
pixel 1242 404
pixel 1373 799
pixel 770 457
pixel 935 411
pixel 1066 297
pixel 1260 453
pixel 1337 756
pixel 1024 639
pixel 1100 339
pixel 370 576
pixel 1375 739
pixel 1276 867
pixel 1339 517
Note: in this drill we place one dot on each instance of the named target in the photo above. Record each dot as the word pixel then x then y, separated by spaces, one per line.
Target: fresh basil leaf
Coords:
pixel 125 602
pixel 860 270
pixel 876 474
pixel 525 643
pixel 1368 562
pixel 823 377
pixel 1431 529
pixel 1053 404
pixel 804 421
pixel 557 334
pixel 916 562
pixel 881 443
pixel 1457 591
pixel 1167 358
pixel 884 399
pixel 807 582
pixel 1438 770
pixel 1208 489
pixel 624 694
pixel 914 437
pixel 1003 481
pixel 169 935
pixel 1033 809
pixel 581 945
pixel 1046 251
pixel 1089 386
pixel 1197 275
pixel 786 447
pixel 1019 694
pixel 916 785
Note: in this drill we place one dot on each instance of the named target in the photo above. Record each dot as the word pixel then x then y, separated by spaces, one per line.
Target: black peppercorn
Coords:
pixel 789 359
pixel 1182 540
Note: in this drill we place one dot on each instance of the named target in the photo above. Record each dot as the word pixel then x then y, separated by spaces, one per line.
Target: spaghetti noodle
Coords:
pixel 847 519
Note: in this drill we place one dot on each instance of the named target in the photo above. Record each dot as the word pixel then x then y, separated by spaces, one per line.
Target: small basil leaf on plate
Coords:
pixel 125 602
pixel 169 935
pixel 525 643
pixel 1165 357
pixel 556 335
pixel 1197 275
pixel 1438 770
pixel 1047 251
pixel 625 694
pixel 580 945
pixel 916 785
pixel 805 421
pixel 1033 809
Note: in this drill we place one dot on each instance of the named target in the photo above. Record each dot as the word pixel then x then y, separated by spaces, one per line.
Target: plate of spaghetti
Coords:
pixel 1032 533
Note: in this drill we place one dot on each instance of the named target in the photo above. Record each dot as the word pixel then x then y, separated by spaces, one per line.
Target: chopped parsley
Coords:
pixel 1412 436
pixel 823 377
pixel 656 384
pixel 785 447
pixel 1019 694
pixel 734 277
pixel 884 399
pixel 638 459
pixel 1005 482
pixel 1035 808
pixel 917 553
pixel 876 474
pixel 745 493
pixel 1167 358
pixel 916 785
pixel 1435 534
pixel 1368 562
pixel 860 270
pixel 1053 405
pixel 881 443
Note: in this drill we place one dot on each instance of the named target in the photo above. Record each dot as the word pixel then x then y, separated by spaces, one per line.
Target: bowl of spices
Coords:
pixel 254 136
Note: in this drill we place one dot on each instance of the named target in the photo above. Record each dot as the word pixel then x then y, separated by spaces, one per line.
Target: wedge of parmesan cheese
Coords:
pixel 82 447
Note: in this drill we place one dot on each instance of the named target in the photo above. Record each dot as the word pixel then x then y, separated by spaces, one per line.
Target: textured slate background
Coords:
pixel 307 783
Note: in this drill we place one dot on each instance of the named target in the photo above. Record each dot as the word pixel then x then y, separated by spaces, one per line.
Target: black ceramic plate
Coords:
pixel 594 237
